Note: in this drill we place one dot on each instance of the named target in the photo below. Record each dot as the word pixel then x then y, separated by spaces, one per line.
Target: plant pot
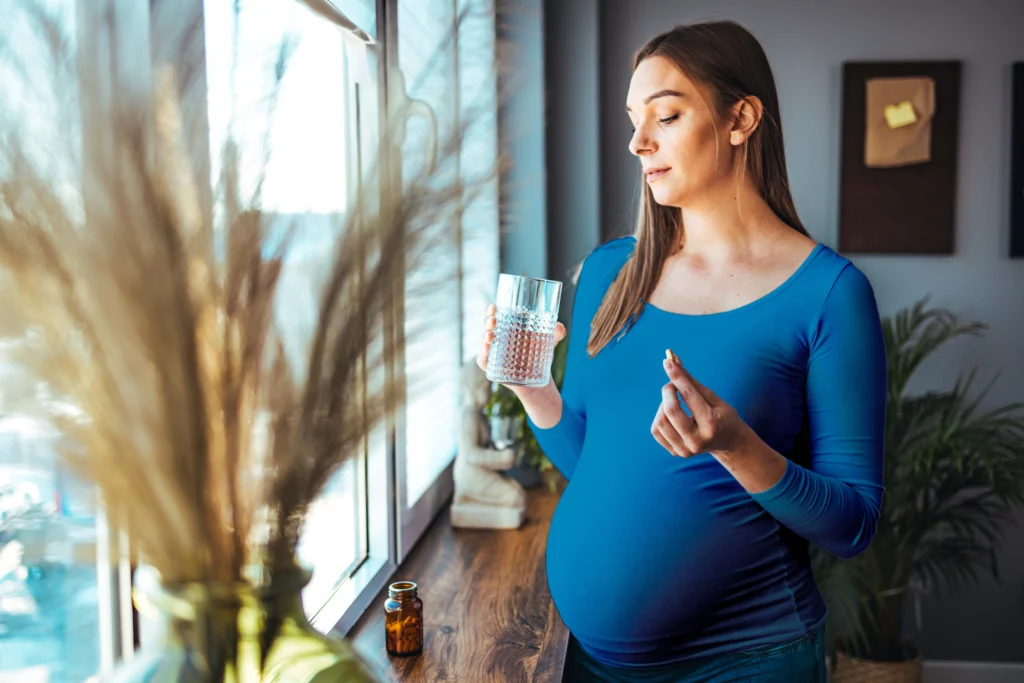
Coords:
pixel 854 670
pixel 504 430
pixel 528 476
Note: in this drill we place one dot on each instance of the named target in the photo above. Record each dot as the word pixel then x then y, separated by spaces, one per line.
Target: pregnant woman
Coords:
pixel 723 404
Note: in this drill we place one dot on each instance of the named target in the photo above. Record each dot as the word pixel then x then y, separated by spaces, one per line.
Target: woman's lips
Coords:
pixel 655 173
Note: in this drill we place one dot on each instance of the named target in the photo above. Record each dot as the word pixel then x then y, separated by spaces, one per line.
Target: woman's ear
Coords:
pixel 747 117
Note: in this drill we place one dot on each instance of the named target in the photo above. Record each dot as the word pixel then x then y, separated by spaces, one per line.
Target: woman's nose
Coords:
pixel 640 144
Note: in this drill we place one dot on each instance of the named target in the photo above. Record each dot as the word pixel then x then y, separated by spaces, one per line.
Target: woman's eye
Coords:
pixel 669 119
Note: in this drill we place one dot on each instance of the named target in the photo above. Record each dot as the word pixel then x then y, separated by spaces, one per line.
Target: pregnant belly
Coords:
pixel 649 556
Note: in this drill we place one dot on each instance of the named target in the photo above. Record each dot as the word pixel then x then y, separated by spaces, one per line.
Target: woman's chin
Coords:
pixel 666 196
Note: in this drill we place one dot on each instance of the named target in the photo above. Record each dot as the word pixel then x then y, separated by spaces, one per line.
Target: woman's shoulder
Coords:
pixel 827 284
pixel 838 275
pixel 617 247
pixel 613 253
pixel 843 297
pixel 607 257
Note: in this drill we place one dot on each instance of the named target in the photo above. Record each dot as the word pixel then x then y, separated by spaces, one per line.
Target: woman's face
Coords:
pixel 675 135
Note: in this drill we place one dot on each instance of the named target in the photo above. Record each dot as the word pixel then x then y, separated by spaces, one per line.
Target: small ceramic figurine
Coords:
pixel 484 498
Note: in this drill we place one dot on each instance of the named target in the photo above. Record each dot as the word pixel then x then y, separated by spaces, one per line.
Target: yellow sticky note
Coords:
pixel 899 115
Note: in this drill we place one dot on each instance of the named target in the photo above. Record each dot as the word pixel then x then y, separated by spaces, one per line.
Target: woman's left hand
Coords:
pixel 714 427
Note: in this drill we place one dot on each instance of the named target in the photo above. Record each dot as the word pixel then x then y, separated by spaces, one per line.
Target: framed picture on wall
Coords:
pixel 1017 164
pixel 899 157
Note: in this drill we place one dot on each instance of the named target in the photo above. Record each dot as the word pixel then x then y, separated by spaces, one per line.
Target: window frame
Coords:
pixel 381 471
pixel 98 29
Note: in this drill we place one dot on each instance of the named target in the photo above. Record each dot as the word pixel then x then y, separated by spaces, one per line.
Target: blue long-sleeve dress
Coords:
pixel 652 558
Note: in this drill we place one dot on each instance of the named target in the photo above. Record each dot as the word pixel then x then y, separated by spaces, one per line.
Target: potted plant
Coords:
pixel 504 414
pixel 507 419
pixel 954 475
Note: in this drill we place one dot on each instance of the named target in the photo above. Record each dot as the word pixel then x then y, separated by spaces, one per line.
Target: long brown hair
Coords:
pixel 728 60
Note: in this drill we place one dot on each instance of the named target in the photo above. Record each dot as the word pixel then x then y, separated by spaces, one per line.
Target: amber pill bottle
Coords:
pixel 403 620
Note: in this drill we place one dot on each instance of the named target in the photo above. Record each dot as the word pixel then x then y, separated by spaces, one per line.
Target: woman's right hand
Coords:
pixel 488 337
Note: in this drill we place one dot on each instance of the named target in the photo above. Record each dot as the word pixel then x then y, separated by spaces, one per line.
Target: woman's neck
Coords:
pixel 729 225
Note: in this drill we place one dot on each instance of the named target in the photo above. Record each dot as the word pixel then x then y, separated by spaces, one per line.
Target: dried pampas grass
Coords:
pixel 157 360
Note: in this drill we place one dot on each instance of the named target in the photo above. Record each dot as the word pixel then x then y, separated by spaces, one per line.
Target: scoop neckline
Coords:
pixel 785 284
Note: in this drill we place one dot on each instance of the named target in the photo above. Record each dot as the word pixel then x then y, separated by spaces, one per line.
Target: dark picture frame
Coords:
pixel 908 209
pixel 1017 163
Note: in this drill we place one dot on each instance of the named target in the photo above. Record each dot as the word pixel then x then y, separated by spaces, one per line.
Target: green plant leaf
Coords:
pixel 954 476
pixel 558 361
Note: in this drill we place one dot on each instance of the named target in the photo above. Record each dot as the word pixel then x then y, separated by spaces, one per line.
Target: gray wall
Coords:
pixel 549 156
pixel 573 138
pixel 523 192
pixel 807 41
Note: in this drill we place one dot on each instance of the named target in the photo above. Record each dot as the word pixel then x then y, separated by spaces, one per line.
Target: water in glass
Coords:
pixel 524 332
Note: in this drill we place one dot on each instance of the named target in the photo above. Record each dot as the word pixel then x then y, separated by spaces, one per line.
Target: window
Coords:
pixel 49 602
pixel 445 50
pixel 58 598
pixel 480 218
pixel 427 436
pixel 322 132
pixel 287 86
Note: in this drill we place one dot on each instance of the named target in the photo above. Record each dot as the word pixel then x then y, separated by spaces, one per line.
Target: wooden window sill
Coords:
pixel 487 612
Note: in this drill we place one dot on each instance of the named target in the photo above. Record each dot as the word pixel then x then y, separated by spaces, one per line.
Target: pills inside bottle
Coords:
pixel 403 620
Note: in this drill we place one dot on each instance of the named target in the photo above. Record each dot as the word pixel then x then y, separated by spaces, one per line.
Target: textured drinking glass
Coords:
pixel 524 330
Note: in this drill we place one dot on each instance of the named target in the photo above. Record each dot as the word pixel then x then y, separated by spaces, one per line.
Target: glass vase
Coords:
pixel 235 633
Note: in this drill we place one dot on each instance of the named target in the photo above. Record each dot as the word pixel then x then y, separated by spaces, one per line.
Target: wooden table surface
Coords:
pixel 487 612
